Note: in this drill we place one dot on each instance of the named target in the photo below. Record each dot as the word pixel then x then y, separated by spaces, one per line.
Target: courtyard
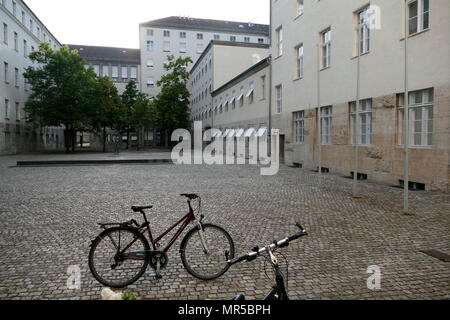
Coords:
pixel 49 216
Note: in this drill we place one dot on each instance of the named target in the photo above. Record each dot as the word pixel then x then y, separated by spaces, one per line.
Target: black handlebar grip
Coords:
pixel 296 236
pixel 239 259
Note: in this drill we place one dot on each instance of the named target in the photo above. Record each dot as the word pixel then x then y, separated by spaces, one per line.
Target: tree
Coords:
pixel 141 116
pixel 171 105
pixel 107 109
pixel 60 90
pixel 129 98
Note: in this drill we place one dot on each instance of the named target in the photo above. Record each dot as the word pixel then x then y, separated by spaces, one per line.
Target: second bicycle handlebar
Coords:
pixel 280 244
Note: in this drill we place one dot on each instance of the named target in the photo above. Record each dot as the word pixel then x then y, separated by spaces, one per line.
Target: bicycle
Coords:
pixel 120 255
pixel 278 291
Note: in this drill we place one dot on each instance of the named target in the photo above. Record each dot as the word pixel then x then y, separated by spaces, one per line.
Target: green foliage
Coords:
pixel 171 105
pixel 129 296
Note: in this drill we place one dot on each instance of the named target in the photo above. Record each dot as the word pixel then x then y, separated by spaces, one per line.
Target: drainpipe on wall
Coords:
pixel 270 82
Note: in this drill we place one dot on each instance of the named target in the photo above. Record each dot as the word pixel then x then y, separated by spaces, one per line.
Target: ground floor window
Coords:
pixel 326 116
pixel 365 122
pixel 299 127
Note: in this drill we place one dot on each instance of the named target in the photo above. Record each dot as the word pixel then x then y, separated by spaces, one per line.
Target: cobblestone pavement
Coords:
pixel 48 217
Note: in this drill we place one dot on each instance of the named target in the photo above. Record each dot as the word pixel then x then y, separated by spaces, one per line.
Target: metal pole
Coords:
pixel 319 122
pixel 357 106
pixel 406 119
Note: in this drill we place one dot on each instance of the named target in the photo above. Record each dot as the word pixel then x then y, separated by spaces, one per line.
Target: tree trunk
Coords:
pixel 128 138
pixel 67 139
pixel 73 138
pixel 138 138
pixel 104 139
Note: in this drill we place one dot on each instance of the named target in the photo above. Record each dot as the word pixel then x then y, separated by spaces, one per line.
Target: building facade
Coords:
pixel 120 65
pixel 220 62
pixel 187 37
pixel 21 32
pixel 315 49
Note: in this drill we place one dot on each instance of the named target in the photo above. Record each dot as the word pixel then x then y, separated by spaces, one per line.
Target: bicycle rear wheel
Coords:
pixel 210 264
pixel 119 257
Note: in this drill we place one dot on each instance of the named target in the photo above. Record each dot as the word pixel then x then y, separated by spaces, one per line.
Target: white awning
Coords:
pixel 225 134
pixel 261 132
pixel 239 133
pixel 239 97
pixel 231 133
pixel 216 134
pixel 249 93
pixel 232 100
pixel 250 132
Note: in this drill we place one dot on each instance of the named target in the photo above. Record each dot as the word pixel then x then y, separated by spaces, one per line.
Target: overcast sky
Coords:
pixel 115 22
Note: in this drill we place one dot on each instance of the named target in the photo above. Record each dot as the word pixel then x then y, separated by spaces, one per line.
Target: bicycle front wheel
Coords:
pixel 205 253
pixel 118 257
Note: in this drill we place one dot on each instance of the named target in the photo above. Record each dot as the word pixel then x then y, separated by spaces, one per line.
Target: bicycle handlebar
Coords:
pixel 280 244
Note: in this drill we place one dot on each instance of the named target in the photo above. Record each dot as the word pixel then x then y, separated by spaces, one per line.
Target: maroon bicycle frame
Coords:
pixel 185 221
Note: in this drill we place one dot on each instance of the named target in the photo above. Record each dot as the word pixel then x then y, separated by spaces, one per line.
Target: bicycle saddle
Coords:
pixel 139 209
pixel 190 196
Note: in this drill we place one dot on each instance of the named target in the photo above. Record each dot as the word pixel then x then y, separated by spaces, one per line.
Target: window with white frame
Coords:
pixel 16 77
pixel 279 98
pixel 326 48
pixel 326 117
pixel 16 41
pixel 279 34
pixel 150 32
pixel 199 36
pixel 365 122
pixel 247 39
pixel 6 72
pixel 300 7
pixel 166 47
pixel 133 71
pixel 150 46
pixel 233 38
pixel 182 35
pixel 25 49
pixel 421 116
pixel 300 61
pixel 5 33
pixel 150 63
pixel 216 37
pixel 166 33
pixel 14 4
pixel 199 48
pixel 263 87
pixel 150 82
pixel 105 71
pixel 23 17
pixel 418 15
pixel 115 72
pixel 299 127
pixel 124 73
pixel 18 112
pixel 31 26
pixel 363 31
pixel 183 47
pixel 7 113
pixel 97 70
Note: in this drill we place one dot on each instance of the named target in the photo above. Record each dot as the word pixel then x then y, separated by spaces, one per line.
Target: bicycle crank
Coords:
pixel 158 261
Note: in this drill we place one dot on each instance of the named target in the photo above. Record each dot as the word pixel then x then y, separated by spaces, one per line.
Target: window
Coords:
pixel 5 33
pixel 97 70
pixel 183 47
pixel 250 93
pixel 150 46
pixel 150 82
pixel 261 40
pixel 115 72
pixel 31 26
pixel 199 48
pixel 279 34
pixel 199 36
pixel 166 33
pixel 418 15
pixel 6 71
pixel 247 39
pixel 16 77
pixel 279 98
pixel 233 38
pixel 38 33
pixel 300 7
pixel 7 109
pixel 182 35
pixel 326 114
pixel 263 87
pixel 124 73
pixel 300 59
pixel 17 111
pixel 363 37
pixel 216 37
pixel 150 63
pixel 365 122
pixel 166 47
pixel 16 41
pixel 421 118
pixel 150 32
pixel 299 127
pixel 133 73
pixel 23 17
pixel 25 49
pixel 105 71
pixel 326 48
pixel 14 8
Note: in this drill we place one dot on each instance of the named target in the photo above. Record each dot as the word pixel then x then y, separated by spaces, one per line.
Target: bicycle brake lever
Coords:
pixel 300 227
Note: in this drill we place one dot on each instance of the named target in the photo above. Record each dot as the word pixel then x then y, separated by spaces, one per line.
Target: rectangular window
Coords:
pixel 300 7
pixel 23 17
pixel 326 116
pixel 182 35
pixel 183 48
pixel 124 73
pixel 14 8
pixel 97 70
pixel 199 36
pixel 247 39
pixel 16 41
pixel 365 122
pixel 5 33
pixel 299 127
pixel 150 82
pixel 233 38
pixel 18 118
pixel 279 34
pixel 250 94
pixel 363 33
pixel 150 63
pixel 199 48
pixel 38 33
pixel 166 47
pixel 216 37
pixel 418 15
pixel 105 71
pixel 31 26
pixel 133 71
pixel 326 48
pixel 115 72
pixel 7 114
pixel 279 98
pixel 263 87
pixel 166 33
pixel 16 77
pixel 150 46
pixel 6 71
pixel 25 49
pixel 150 32
pixel 300 59
pixel 421 118
pixel 261 40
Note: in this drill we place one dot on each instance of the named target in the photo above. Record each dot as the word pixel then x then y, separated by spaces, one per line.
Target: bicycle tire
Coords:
pixel 139 271
pixel 185 244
